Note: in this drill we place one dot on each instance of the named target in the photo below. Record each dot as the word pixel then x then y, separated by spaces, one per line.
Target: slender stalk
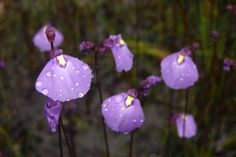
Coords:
pixel 101 100
pixel 131 144
pixel 60 140
pixel 185 114
pixel 66 136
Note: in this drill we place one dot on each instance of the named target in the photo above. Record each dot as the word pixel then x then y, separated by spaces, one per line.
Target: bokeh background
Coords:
pixel 152 29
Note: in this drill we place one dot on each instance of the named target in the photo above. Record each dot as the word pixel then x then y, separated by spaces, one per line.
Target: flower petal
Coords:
pixel 64 83
pixel 121 118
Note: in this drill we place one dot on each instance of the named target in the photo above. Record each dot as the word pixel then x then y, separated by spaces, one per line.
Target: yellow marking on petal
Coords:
pixel 61 60
pixel 122 42
pixel 129 101
pixel 180 59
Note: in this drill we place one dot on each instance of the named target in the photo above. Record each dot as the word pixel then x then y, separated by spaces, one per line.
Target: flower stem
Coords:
pixel 101 100
pixel 66 136
pixel 185 114
pixel 60 140
pixel 131 144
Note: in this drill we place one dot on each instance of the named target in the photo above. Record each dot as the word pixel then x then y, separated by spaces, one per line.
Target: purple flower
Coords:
pixel 187 130
pixel 52 110
pixel 215 35
pixel 123 113
pixel 41 41
pixel 64 78
pixel 178 70
pixel 229 65
pixel 2 63
pixel 121 53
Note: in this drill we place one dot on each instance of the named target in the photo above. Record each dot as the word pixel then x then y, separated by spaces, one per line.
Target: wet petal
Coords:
pixel 71 79
pixel 41 42
pixel 121 118
pixel 52 110
pixel 190 126
pixel 176 75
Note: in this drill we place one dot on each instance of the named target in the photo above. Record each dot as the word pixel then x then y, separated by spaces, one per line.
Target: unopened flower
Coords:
pixel 52 110
pixel 41 40
pixel 121 53
pixel 214 35
pixel 147 83
pixel 86 46
pixel 64 78
pixel 186 125
pixel 123 112
pixel 178 70
pixel 2 63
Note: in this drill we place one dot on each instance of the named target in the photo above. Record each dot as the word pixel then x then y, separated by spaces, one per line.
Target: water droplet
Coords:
pixel 77 71
pixel 122 108
pixel 73 68
pixel 62 78
pixel 181 79
pixel 104 105
pixel 54 75
pixel 48 74
pixel 91 75
pixel 118 57
pixel 38 83
pixel 85 66
pixel 67 99
pixel 134 120
pixel 72 88
pixel 126 133
pixel 141 120
pixel 118 98
pixel 121 115
pixel 106 109
pixel 109 100
pixel 76 83
pixel 45 91
pixel 60 90
pixel 53 68
pixel 80 95
pixel 84 76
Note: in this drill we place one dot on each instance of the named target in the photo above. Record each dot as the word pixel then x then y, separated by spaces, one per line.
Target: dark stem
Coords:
pixel 185 114
pixel 66 137
pixel 60 140
pixel 52 48
pixel 131 144
pixel 101 100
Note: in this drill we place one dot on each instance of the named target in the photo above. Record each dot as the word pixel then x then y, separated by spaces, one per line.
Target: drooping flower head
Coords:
pixel 121 53
pixel 123 112
pixel 185 124
pixel 64 78
pixel 178 70
pixel 229 65
pixel 42 42
pixel 52 110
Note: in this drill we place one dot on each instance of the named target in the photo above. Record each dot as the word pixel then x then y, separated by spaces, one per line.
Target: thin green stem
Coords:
pixel 66 137
pixel 101 100
pixel 131 144
pixel 60 140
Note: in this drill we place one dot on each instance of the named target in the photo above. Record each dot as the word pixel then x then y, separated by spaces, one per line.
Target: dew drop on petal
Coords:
pixel 38 83
pixel 62 78
pixel 85 66
pixel 76 83
pixel 45 91
pixel 77 71
pixel 54 75
pixel 118 98
pixel 80 95
pixel 134 120
pixel 105 109
pixel 48 74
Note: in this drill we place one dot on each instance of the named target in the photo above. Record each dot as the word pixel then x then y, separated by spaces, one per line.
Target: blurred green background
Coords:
pixel 152 29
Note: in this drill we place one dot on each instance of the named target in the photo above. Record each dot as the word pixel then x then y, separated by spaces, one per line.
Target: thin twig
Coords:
pixel 131 144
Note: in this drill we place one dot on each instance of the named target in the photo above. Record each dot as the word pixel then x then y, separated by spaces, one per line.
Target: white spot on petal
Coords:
pixel 45 91
pixel 38 83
